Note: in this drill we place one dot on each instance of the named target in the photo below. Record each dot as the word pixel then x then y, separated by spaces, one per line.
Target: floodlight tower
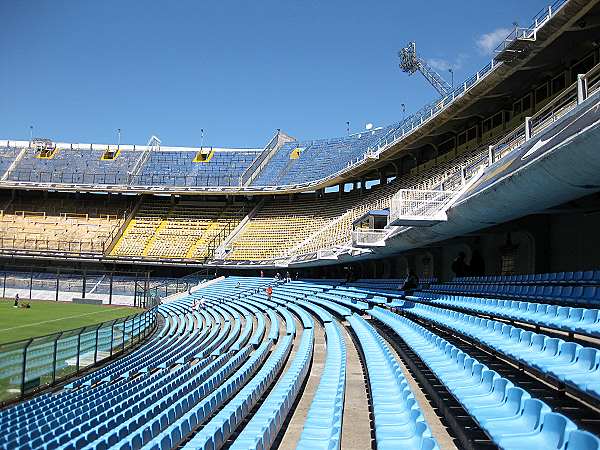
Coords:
pixel 410 63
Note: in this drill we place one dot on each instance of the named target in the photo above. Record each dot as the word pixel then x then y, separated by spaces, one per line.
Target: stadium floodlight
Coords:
pixel 30 134
pixel 411 63
pixel 201 138
pixel 118 138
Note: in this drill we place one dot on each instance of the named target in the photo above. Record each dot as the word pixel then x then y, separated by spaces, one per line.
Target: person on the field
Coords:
pixel 16 305
pixel 411 282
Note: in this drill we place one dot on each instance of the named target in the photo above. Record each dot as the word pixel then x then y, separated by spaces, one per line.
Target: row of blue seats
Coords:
pixel 566 318
pixel 220 427
pixel 218 330
pixel 580 440
pixel 36 407
pixel 264 426
pixel 135 437
pixel 510 417
pixel 584 295
pixel 164 411
pixel 566 362
pixel 150 404
pixel 399 422
pixel 579 277
pixel 88 413
pixel 322 428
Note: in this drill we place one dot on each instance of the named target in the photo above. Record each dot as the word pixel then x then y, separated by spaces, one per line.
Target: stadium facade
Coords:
pixel 476 170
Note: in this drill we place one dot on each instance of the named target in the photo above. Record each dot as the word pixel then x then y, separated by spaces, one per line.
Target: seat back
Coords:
pixel 533 412
pixel 582 440
pixel 556 428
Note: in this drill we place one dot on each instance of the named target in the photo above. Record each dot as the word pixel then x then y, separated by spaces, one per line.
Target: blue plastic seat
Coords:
pixel 552 434
pixel 582 440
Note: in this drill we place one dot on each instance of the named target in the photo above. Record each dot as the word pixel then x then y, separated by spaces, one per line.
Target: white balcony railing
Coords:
pixel 369 238
pixel 419 206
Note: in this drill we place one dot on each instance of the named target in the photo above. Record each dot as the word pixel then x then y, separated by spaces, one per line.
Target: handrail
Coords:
pixel 256 165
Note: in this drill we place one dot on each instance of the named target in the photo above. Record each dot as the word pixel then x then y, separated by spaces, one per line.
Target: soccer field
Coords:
pixel 45 317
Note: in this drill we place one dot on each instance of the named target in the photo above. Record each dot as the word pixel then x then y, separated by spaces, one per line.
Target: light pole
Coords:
pixel 118 138
pixel 451 77
pixel 201 138
pixel 348 128
pixel 30 135
pixel 403 111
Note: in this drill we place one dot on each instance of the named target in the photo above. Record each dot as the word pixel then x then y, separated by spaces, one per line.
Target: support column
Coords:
pixel 581 88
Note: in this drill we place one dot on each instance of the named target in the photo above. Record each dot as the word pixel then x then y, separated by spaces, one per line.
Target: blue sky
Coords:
pixel 79 69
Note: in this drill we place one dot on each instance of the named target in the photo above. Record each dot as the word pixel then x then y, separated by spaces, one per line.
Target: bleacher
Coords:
pixel 179 168
pixel 185 230
pixel 233 373
pixel 316 159
pixel 59 225
pixel 274 231
pixel 78 165
pixel 580 288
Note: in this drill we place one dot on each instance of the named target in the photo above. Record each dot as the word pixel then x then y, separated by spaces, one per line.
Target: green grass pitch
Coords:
pixel 45 317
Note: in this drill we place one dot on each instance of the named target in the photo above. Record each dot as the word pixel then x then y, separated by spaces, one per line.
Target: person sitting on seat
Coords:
pixel 410 283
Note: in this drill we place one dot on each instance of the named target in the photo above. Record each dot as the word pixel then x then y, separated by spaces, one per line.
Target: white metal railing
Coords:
pixel 368 237
pixel 153 145
pixel 418 203
pixel 417 119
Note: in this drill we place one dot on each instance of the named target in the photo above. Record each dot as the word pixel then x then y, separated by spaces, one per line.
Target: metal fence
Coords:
pixel 418 203
pixel 33 364
pixel 46 283
pixel 369 237
pixel 151 293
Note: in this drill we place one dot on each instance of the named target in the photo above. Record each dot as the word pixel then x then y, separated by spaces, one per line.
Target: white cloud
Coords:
pixel 439 64
pixel 442 65
pixel 488 42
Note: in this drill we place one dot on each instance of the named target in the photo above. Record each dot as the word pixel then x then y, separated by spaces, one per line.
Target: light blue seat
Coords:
pixel 551 434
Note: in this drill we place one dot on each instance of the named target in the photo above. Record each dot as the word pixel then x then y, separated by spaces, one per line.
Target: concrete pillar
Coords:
pixel 581 88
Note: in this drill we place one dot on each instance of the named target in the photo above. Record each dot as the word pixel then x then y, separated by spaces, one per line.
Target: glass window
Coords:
pixel 558 84
pixel 487 125
pixel 471 133
pixel 516 108
pixel 497 120
pixel 541 93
